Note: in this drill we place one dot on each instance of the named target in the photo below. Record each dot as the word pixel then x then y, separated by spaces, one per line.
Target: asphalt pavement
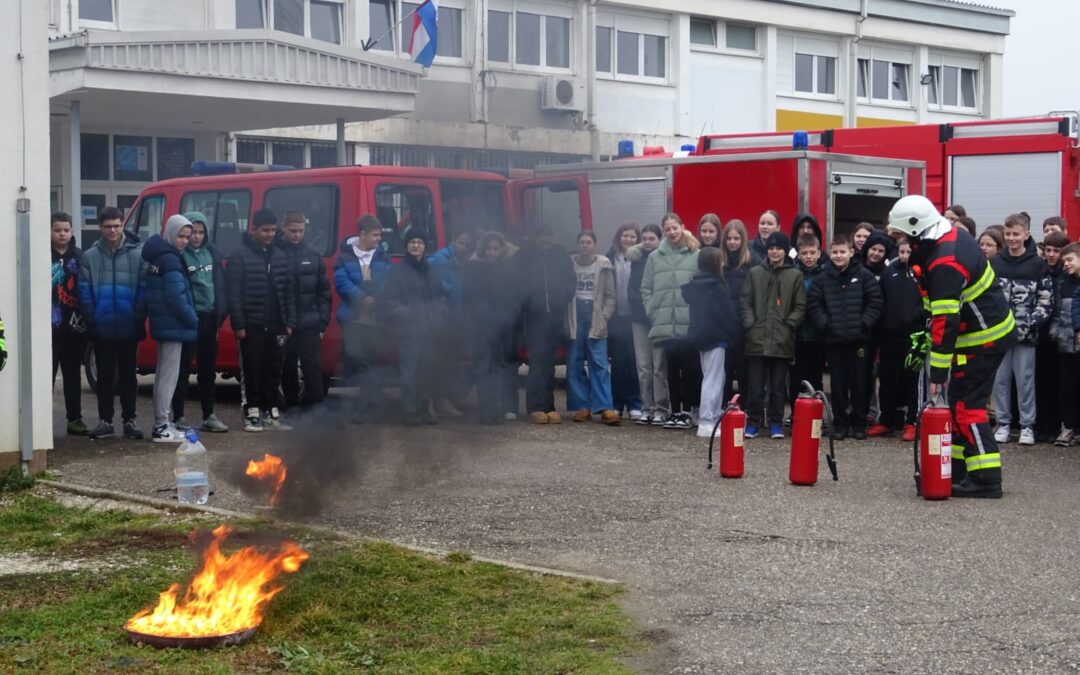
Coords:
pixel 749 575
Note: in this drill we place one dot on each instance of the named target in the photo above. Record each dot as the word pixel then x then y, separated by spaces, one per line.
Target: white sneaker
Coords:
pixel 644 418
pixel 167 433
pixel 704 429
pixel 1001 434
pixel 510 417
pixel 1027 436
pixel 273 421
pixel 635 415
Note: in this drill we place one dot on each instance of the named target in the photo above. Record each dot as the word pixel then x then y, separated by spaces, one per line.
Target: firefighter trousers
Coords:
pixel 974 450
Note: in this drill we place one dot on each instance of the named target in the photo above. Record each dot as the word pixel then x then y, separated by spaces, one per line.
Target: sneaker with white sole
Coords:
pixel 635 415
pixel 215 425
pixel 1065 438
pixel 272 421
pixel 1001 434
pixel 253 421
pixel 1027 436
pixel 704 428
pixel 166 433
pixel 660 418
pixel 510 417
pixel 102 430
pixel 645 419
pixel 683 420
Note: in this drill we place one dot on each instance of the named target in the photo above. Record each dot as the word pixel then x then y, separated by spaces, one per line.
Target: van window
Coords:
pixel 472 205
pixel 148 220
pixel 403 209
pixel 557 205
pixel 320 206
pixel 226 215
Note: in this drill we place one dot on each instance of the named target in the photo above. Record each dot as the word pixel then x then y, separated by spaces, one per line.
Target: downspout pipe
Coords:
pixel 852 106
pixel 590 100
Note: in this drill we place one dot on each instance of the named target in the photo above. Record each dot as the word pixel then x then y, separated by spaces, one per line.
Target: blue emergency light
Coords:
pixel 800 140
pixel 626 148
pixel 687 148
pixel 202 167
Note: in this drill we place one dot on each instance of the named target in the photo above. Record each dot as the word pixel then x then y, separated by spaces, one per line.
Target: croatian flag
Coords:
pixel 425 33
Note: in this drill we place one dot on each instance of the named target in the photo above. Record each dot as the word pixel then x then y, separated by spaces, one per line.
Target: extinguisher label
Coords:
pixel 934 441
pixel 737 434
pixel 815 430
pixel 946 456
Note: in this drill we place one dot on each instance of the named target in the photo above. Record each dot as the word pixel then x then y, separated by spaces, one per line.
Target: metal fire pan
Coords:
pixel 201 642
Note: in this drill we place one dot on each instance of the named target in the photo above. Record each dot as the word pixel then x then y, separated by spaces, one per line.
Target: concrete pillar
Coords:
pixel 341 154
pixel 75 163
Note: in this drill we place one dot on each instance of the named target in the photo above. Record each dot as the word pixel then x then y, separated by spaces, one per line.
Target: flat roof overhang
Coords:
pixel 223 80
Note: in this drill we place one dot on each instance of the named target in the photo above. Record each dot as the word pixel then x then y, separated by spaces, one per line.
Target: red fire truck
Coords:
pixel 993 168
pixel 439 201
pixel 840 189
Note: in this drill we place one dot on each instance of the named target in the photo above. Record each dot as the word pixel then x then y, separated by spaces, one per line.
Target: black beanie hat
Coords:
pixel 777 240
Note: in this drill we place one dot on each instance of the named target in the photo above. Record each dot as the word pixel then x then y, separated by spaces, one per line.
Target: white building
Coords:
pixel 518 82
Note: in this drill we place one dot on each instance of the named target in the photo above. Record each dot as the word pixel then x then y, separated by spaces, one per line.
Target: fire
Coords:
pixel 272 470
pixel 228 594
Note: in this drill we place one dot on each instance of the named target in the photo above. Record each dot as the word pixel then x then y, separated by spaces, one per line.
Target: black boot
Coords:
pixel 972 490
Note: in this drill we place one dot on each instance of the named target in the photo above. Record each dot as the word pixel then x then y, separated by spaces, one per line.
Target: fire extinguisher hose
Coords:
pixel 830 458
pixel 733 403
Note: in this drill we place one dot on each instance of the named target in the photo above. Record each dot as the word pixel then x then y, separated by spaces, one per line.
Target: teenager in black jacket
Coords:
pixel 262 310
pixel 738 262
pixel 902 315
pixel 413 302
pixel 311 287
pixel 68 326
pixel 845 304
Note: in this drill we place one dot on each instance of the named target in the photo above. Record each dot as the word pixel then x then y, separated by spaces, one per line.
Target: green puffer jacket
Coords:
pixel 772 305
pixel 666 270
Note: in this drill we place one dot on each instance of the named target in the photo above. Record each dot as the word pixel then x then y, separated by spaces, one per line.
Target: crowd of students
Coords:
pixel 661 330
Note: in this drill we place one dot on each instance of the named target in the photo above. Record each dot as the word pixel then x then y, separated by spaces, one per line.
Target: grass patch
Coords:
pixel 352 608
pixel 14 480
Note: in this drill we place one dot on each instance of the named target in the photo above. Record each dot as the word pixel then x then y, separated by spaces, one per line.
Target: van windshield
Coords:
pixel 472 205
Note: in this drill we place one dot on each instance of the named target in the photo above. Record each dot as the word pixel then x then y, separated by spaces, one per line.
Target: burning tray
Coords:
pixel 199 642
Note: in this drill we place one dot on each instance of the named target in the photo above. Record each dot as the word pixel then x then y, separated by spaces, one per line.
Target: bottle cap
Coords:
pixel 192 436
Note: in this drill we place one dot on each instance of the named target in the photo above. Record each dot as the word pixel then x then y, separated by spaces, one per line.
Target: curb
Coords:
pixel 166 505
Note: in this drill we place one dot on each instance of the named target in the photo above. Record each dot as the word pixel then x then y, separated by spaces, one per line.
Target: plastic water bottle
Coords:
pixel 192 470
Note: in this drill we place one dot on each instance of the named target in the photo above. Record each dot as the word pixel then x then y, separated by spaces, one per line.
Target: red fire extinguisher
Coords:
pixel 732 424
pixel 807 418
pixel 933 451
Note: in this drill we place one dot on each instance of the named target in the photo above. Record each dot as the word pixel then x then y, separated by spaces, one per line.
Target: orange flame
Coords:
pixel 227 595
pixel 272 470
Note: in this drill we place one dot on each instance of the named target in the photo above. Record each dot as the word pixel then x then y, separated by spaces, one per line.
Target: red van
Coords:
pixel 440 201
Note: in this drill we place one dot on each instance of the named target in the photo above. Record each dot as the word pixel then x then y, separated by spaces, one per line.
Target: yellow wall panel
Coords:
pixel 796 120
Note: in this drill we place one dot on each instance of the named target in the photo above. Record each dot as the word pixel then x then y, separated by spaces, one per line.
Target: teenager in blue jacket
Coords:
pixel 173 320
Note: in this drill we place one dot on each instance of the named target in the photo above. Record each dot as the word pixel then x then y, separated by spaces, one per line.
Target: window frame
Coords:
pixel 814 72
pixel 107 25
pixel 643 27
pixel 720 43
pixel 867 95
pixel 398 46
pixel 935 67
pixel 402 185
pixel 212 228
pixel 335 218
pixel 513 8
pixel 269 17
pixel 139 213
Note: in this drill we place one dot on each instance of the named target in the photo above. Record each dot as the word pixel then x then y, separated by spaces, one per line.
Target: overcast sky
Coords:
pixel 1041 68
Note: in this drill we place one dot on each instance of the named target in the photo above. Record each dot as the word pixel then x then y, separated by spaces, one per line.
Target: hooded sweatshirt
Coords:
pixel 877 237
pixel 207 274
pixel 799 220
pixel 66 318
pixel 170 303
pixel 1028 287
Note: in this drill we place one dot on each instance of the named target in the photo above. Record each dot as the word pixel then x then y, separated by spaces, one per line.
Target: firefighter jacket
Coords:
pixel 968 310
pixel 1029 290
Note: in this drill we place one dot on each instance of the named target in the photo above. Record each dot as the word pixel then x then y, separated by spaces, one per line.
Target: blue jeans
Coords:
pixel 624 379
pixel 591 390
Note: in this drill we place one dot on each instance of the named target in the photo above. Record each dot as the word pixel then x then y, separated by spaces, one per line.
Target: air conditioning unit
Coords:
pixel 563 93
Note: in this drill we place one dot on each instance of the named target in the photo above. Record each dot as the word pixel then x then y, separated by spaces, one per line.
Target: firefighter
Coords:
pixel 971 328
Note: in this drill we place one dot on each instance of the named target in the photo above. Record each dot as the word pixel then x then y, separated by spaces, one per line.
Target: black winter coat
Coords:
pixel 311 286
pixel 545 281
pixel 713 320
pixel 808 332
pixel 412 301
pixel 487 298
pixel 259 286
pixel 845 306
pixel 902 312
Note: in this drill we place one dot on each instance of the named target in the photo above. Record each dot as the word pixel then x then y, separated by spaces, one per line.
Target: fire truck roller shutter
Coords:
pixel 992 186
pixel 642 200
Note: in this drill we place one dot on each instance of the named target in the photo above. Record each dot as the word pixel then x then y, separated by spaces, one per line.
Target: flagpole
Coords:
pixel 369 43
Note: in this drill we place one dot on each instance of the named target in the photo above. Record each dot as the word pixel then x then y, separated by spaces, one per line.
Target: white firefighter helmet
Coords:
pixel 913 215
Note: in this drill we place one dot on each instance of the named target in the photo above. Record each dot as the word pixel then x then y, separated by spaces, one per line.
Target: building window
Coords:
pixel 99 11
pixel 287 152
pixel 250 14
pixel 740 37
pixel 498 37
pixel 250 151
pixel 323 154
pixel 394 37
pixel 637 47
pixel 325 21
pixel 289 16
pixel 133 158
pixel 450 30
pixel 885 81
pixel 94 156
pixel 703 32
pixel 174 157
pixel 953 87
pixel 538 40
pixel 380 23
pixel 815 74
